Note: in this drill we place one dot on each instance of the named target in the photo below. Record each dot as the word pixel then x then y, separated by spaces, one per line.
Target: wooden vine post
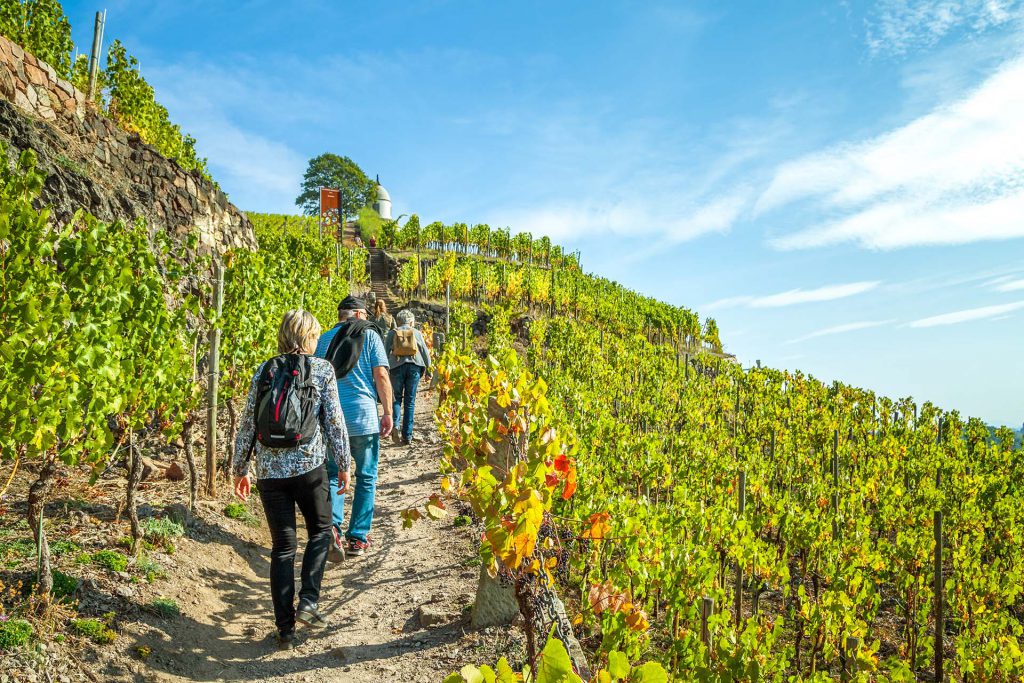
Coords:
pixel 742 504
pixel 835 485
pixel 214 378
pixel 707 609
pixel 848 659
pixel 94 56
pixel 938 600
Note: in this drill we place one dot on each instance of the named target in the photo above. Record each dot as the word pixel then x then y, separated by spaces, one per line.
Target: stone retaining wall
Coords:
pixel 94 165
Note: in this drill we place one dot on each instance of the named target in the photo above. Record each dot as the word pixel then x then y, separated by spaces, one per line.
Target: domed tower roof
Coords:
pixel 382 205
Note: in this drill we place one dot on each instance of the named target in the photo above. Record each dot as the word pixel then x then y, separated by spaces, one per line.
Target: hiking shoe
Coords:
pixel 396 438
pixel 357 547
pixel 309 615
pixel 336 553
pixel 285 640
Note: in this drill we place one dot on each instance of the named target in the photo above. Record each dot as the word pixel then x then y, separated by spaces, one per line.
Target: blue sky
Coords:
pixel 840 184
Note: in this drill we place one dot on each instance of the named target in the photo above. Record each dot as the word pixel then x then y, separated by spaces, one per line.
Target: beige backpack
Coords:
pixel 405 343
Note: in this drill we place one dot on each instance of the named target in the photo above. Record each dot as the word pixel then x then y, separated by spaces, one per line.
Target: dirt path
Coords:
pixel 225 631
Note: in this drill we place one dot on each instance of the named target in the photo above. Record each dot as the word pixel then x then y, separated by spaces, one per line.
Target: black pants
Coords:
pixel 280 496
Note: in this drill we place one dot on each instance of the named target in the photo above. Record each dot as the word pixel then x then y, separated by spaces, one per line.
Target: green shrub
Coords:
pixel 150 569
pixel 165 607
pixel 59 548
pixel 161 530
pixel 12 553
pixel 14 633
pixel 126 542
pixel 238 511
pixel 83 558
pixel 64 585
pixel 110 560
pixel 462 520
pixel 93 629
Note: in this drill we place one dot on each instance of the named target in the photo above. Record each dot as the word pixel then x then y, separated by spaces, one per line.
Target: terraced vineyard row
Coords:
pixel 743 525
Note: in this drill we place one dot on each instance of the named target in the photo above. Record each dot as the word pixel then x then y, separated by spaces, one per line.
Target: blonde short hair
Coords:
pixel 298 333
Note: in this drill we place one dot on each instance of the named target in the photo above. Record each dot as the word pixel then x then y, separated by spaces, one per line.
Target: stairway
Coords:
pixel 379 279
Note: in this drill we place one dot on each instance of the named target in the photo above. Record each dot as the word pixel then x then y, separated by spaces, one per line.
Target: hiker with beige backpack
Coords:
pixel 409 359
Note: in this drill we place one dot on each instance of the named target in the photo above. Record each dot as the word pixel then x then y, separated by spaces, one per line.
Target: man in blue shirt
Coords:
pixel 363 366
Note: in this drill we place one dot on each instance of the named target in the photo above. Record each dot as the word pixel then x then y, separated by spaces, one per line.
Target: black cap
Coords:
pixel 352 303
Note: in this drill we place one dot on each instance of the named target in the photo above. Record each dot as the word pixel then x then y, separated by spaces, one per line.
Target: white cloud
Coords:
pixel 1007 285
pixel 899 26
pixel 897 224
pixel 842 329
pixel 795 296
pixel 953 176
pixel 629 218
pixel 968 315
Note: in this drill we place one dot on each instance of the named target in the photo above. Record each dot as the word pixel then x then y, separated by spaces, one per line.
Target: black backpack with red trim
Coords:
pixel 285 401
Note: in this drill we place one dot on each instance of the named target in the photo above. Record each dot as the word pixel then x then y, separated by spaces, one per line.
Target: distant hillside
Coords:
pixel 1018 434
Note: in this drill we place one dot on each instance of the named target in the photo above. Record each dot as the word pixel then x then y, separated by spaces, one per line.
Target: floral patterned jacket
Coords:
pixel 281 463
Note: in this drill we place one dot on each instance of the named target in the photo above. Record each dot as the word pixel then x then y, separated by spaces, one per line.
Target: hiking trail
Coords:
pixel 395 613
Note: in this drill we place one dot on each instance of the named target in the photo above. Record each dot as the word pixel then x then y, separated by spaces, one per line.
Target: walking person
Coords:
pixel 384 321
pixel 292 423
pixel 356 351
pixel 409 359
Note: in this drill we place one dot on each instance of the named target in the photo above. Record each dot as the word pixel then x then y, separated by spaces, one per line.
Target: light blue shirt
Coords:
pixel 356 390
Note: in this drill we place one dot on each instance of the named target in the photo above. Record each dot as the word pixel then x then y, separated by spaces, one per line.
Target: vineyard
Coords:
pixel 106 327
pixel 653 510
pixel 721 523
pixel 741 525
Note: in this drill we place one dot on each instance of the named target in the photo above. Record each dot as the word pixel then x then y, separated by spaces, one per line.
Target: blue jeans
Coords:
pixel 404 380
pixel 365 451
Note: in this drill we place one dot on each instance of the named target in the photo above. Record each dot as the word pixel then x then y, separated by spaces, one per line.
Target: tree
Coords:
pixel 340 173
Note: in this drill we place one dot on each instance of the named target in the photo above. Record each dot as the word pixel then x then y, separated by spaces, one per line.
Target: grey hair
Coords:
pixel 345 315
pixel 405 317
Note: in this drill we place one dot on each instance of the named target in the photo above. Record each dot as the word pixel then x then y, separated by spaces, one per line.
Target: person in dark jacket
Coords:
pixel 409 362
pixel 296 477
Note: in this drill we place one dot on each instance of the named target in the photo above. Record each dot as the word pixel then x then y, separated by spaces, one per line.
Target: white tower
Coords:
pixel 382 205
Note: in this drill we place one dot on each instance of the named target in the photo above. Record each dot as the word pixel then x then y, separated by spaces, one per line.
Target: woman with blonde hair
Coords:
pixel 291 424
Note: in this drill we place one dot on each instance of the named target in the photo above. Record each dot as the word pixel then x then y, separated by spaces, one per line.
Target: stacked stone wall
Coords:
pixel 93 164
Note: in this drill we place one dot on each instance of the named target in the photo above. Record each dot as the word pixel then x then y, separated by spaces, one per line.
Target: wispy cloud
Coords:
pixel 258 171
pixel 795 296
pixel 968 315
pixel 898 26
pixel 584 171
pixel 1006 284
pixel 841 329
pixel 953 176
pixel 630 217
